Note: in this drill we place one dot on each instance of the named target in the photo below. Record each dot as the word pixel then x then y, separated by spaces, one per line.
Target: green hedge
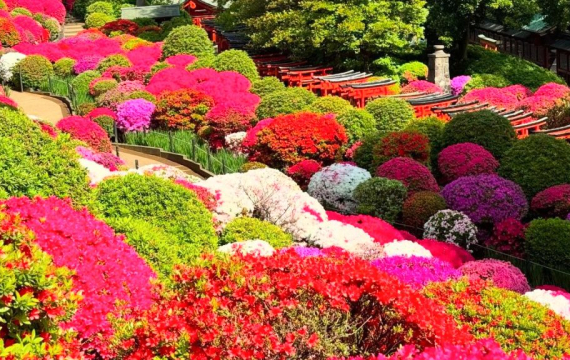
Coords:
pixel 242 229
pixel 285 101
pixel 391 114
pixel 238 61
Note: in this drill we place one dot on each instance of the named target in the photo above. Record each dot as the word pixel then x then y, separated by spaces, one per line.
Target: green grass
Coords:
pixel 219 162
pixel 60 87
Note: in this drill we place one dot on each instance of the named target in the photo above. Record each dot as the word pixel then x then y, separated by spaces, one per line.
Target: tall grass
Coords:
pixel 188 144
pixel 61 87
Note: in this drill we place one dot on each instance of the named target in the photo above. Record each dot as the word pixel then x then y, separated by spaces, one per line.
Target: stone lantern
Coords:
pixel 438 68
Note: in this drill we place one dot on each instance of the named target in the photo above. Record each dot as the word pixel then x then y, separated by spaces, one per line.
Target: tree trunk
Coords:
pixel 464 42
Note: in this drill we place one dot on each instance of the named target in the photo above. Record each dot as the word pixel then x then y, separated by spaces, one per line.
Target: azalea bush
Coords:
pixel 552 202
pixel 86 130
pixel 417 271
pixel 503 274
pixel 408 144
pixel 446 251
pixel 287 101
pixel 421 86
pixel 303 171
pixel 419 207
pixel 182 109
pixel 494 97
pixel 380 197
pixel 380 231
pixel 547 242
pixel 357 122
pixel 415 176
pixel 451 226
pixel 135 115
pixel 244 228
pixel 391 114
pixel 465 159
pixel 508 237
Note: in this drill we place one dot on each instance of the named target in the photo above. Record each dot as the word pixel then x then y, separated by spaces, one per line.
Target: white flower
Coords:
pixel 405 248
pixel 334 185
pixel 233 142
pixel 451 226
pixel 254 247
pixel 7 63
pixel 557 303
pixel 96 172
pixel 347 237
pixel 166 172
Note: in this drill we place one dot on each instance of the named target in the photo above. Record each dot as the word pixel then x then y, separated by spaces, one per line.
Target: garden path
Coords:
pixel 52 110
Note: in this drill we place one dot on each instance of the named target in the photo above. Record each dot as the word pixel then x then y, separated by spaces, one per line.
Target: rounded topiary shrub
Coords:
pixel 465 159
pixel 537 163
pixel 102 85
pixel 486 199
pixel 552 202
pixel 408 144
pixel 238 61
pixel 548 243
pixel 102 7
pixel 96 20
pixel 451 226
pixel 413 70
pixel 251 165
pixel 419 207
pixel 182 109
pixel 21 11
pixel 363 154
pixel 189 39
pixel 391 114
pixel 161 203
pixel 329 105
pixel 33 72
pixel 64 67
pixel 284 102
pixel 333 186
pixel 508 237
pixel 81 83
pixel 415 176
pixel 9 36
pixel 493 132
pixel 481 81
pixel 244 228
pixel 503 274
pixel 380 197
pixel 357 122
pixel 113 60
pixel 84 129
pixel 266 86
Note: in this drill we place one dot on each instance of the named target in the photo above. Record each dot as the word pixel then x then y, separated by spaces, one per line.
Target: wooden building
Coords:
pixel 201 10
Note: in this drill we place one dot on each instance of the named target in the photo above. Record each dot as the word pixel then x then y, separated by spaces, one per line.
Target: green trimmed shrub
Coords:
pixel 363 156
pixel 511 68
pixel 493 132
pixel 380 197
pixel 102 7
pixel 536 163
pixel 238 61
pixel 103 86
pixel 21 11
pixel 35 71
pixel 107 123
pixel 357 122
pixel 142 94
pixel 329 105
pixel 252 165
pixel 85 108
pixel 152 36
pixel 51 24
pixel 161 203
pixel 189 39
pixel 414 70
pixel 284 102
pixel 391 114
pixel 481 81
pixel 266 86
pixel 34 164
pixel 113 60
pixel 431 127
pixel 161 250
pixel 548 243
pixel 421 206
pixel 244 228
pixel 183 20
pixel 145 22
pixel 82 81
pixel 97 20
pixel 204 61
pixel 64 67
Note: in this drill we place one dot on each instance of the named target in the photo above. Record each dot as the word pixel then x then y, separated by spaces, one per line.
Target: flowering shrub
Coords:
pixel 380 197
pixel 494 97
pixel 486 199
pixel 203 194
pixel 413 71
pixel 447 252
pixel 503 274
pixel 248 247
pixel 251 135
pixel 334 234
pixel 552 300
pixel 101 85
pixel 112 98
pixel 289 139
pixel 233 142
pixel 86 63
pixel 415 176
pixel 100 259
pixel 34 31
pixel 417 271
pixel 47 128
pixel 520 91
pixel 451 226
pixel 182 109
pixel 108 160
pixel 407 144
pixel 333 186
pixel 421 86
pixel 514 321
pixel 405 248
pixel 7 63
pixel 508 237
pixel 419 207
pixel 223 120
pixel 302 172
pixel 86 130
pixel 9 35
pixel 552 202
pixel 6 101
pixel 116 60
pixel 380 231
pixel 54 9
pixel 242 229
pixel 553 90
pixel 181 60
pixel 135 115
pixel 465 159
pixel 547 243
pixel 121 25
pixel 539 105
pixel 458 84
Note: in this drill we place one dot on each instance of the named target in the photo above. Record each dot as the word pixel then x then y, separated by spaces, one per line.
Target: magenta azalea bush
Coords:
pixel 502 273
pixel 465 159
pixel 417 271
pixel 486 198
pixel 134 115
pixel 458 84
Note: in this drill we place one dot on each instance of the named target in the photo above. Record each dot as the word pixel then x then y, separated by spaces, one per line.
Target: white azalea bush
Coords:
pixel 453 227
pixel 7 63
pixel 405 248
pixel 253 247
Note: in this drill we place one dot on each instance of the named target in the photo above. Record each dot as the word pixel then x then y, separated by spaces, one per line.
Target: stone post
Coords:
pixel 438 66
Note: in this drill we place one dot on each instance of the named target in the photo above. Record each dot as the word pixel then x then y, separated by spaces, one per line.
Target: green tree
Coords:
pixel 335 29
pixel 557 12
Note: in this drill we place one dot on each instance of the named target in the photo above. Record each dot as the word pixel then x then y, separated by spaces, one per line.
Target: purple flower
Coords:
pixel 134 115
pixel 86 63
pixel 303 251
pixel 486 198
pixel 458 83
pixel 417 271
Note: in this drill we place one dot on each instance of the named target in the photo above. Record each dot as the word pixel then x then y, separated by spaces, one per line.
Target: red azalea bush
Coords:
pixel 122 73
pixel 465 159
pixel 9 35
pixel 106 268
pixel 47 128
pixel 286 306
pixel 494 96
pixel 448 252
pixel 418 208
pixel 410 144
pixel 290 139
pixel 86 130
pixel 415 176
pixel 421 86
pixel 302 172
pixel 503 274
pixel 251 135
pixel 205 197
pixel 223 120
pixel 508 237
pixel 381 231
pixel 552 202
pixel 121 25
pixel 6 101
pixel 182 109
pixel 95 113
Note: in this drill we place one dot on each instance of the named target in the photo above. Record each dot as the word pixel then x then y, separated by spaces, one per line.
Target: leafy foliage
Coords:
pixel 391 114
pixel 380 197
pixel 238 61
pixel 244 228
pixel 284 102
pixel 548 241
pixel 189 39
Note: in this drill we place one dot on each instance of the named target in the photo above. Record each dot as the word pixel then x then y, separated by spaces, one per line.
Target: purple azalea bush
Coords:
pixel 486 198
pixel 303 251
pixel 86 63
pixel 502 273
pixel 134 115
pixel 458 84
pixel 417 271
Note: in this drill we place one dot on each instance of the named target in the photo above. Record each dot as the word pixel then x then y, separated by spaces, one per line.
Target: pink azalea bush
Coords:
pixel 86 130
pixel 502 273
pixel 135 115
pixel 181 60
pixel 494 97
pixel 458 84
pixel 508 237
pixel 448 252
pixel 303 171
pixel 380 231
pixel 108 160
pixel 465 159
pixel 415 176
pixel 421 86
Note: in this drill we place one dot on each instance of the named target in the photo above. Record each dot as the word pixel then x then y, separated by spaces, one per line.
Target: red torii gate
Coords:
pixel 200 10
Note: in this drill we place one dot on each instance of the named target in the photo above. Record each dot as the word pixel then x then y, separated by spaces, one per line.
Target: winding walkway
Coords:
pixel 52 110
